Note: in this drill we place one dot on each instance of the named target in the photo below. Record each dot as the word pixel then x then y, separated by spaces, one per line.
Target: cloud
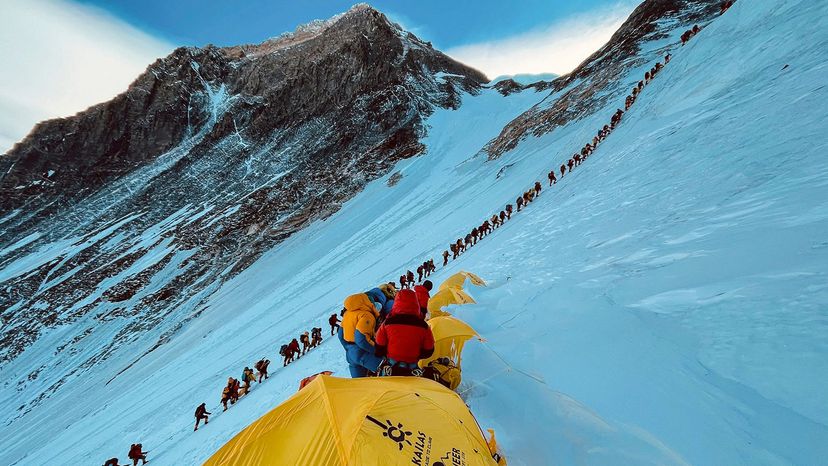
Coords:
pixel 58 58
pixel 407 24
pixel 557 48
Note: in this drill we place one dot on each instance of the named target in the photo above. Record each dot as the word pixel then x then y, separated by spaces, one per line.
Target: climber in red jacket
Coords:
pixel 404 338
pixel 422 296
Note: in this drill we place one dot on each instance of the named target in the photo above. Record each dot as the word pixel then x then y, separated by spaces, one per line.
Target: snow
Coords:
pixel 666 303
pixel 21 243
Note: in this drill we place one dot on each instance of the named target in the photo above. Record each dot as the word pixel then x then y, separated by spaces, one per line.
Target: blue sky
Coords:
pixel 58 57
pixel 446 23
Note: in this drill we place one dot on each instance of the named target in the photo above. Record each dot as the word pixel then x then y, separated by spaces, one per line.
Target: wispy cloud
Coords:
pixel 557 48
pixel 407 24
pixel 58 58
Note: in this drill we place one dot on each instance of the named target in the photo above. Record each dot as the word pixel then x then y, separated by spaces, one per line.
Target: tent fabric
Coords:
pixel 307 380
pixel 459 279
pixel 450 334
pixel 382 421
pixel 447 297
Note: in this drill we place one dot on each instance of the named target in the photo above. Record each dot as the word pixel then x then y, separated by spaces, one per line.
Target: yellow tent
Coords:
pixel 450 334
pixel 459 279
pixel 446 297
pixel 381 421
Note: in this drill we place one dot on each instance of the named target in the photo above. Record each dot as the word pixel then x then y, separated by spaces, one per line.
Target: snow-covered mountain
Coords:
pixel 665 303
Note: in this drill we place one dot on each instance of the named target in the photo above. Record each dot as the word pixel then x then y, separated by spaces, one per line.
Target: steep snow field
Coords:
pixel 666 303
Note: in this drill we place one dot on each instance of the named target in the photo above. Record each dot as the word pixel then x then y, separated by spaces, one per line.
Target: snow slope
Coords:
pixel 666 303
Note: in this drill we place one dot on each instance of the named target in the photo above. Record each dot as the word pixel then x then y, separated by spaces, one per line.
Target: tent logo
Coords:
pixel 395 433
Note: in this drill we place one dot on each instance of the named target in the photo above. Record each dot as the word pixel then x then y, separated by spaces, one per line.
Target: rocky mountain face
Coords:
pixel 595 82
pixel 139 207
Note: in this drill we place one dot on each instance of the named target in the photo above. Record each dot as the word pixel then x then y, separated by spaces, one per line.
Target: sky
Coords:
pixel 58 57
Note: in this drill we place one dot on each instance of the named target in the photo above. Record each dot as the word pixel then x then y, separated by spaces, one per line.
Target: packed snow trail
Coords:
pixel 670 295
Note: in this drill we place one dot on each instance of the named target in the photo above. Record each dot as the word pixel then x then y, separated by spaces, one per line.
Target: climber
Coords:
pixel 316 336
pixel 552 178
pixel 422 296
pixel 495 221
pixel 291 350
pixel 508 211
pixel 333 321
pixel 460 247
pixel 247 375
pixel 404 338
pixel 419 273
pixel 383 296
pixel 667 58
pixel 357 334
pixel 538 188
pixel 474 234
pixel 570 164
pixel 696 30
pixel 305 340
pixel 402 281
pixel 261 366
pixel 431 267
pixel 236 392
pixel 201 413
pixel 136 453
pixel 468 241
pixel 446 255
pixel 409 278
pixel 519 202
pixel 502 217
pixel 227 393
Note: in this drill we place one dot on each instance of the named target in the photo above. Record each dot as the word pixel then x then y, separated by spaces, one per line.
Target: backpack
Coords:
pixel 444 371
pixel 283 350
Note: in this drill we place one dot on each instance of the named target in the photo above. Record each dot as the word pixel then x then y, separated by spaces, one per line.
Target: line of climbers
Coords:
pixel 384 330
pixel 136 453
pixel 424 270
pixel 309 341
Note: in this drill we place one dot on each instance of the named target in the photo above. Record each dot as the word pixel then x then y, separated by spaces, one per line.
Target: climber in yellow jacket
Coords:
pixel 357 334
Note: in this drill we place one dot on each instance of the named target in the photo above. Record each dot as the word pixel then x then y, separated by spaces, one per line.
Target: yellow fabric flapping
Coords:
pixel 383 421
pixel 494 449
pixel 459 279
pixel 447 297
pixel 450 334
